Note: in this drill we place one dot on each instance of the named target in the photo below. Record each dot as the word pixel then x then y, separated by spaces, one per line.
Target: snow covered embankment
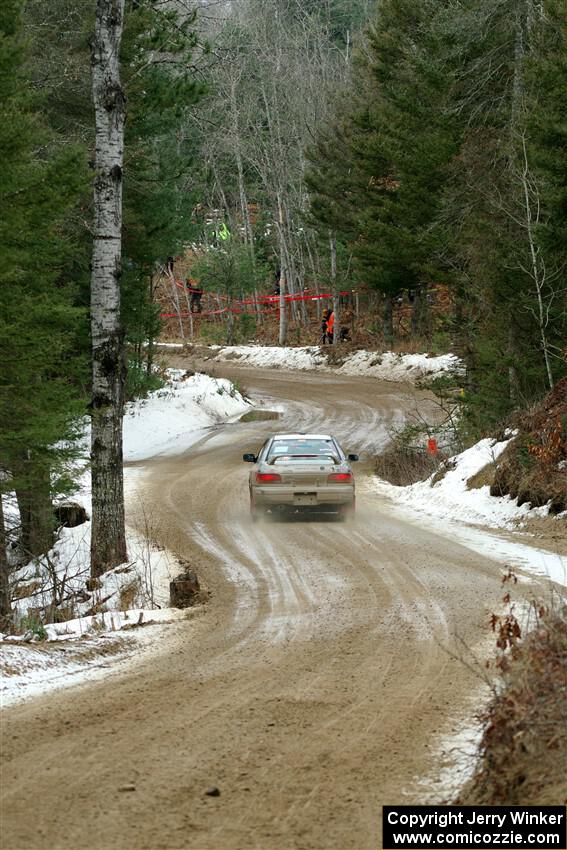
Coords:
pixel 168 421
pixel 172 419
pixel 389 366
pixel 447 502
pixel 448 494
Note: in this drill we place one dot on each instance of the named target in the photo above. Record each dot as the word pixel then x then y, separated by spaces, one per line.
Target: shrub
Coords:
pixel 139 382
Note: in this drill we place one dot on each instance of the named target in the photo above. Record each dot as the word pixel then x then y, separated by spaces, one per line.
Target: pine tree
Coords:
pixel 160 87
pixel 546 76
pixel 231 271
pixel 390 153
pixel 42 366
pixel 492 203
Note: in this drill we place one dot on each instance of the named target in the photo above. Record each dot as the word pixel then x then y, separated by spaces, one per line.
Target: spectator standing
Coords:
pixel 195 295
pixel 331 327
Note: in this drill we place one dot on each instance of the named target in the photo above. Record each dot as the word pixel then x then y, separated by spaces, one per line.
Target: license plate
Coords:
pixel 305 498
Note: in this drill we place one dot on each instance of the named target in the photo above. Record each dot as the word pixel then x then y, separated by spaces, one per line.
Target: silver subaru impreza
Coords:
pixel 301 472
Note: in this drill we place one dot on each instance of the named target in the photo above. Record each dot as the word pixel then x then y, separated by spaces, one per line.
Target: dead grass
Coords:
pixel 129 594
pixel 84 649
pixel 445 467
pixel 402 465
pixel 111 646
pixel 61 614
pixel 22 591
pixel 524 747
pixel 483 478
pixel 337 355
pixel 529 481
pixel 547 532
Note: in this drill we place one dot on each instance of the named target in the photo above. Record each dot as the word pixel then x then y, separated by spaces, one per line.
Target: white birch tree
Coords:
pixel 108 547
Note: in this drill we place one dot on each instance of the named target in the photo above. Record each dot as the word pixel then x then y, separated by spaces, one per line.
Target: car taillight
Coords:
pixel 267 477
pixel 340 478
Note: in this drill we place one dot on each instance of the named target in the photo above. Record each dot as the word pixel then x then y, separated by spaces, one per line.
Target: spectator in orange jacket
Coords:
pixel 330 327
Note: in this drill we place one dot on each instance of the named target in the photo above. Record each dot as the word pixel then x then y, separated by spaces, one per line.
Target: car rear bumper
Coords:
pixel 275 497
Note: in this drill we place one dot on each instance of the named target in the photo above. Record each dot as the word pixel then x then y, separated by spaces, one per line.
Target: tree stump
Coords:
pixel 184 590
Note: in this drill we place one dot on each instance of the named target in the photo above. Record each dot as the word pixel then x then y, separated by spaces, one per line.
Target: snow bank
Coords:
pixel 304 359
pixel 399 367
pixel 136 593
pixel 31 665
pixel 104 622
pixel 409 368
pixel 31 669
pixel 451 497
pixel 144 578
pixel 170 420
pixel 450 508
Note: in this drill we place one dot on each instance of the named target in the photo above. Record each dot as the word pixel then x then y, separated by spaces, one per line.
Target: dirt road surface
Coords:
pixel 313 689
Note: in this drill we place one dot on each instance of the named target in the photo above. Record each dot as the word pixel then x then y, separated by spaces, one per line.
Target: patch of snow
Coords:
pixel 169 420
pixel 450 507
pixel 29 670
pixel 450 496
pixel 172 419
pixel 456 758
pixel 409 368
pixel 107 622
pixel 399 367
pixel 147 573
pixel 307 358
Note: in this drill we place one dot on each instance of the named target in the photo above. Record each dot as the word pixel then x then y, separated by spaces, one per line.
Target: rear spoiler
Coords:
pixel 287 458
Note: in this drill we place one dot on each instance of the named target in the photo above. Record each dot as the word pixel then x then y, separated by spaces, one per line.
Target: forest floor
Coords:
pixel 337 667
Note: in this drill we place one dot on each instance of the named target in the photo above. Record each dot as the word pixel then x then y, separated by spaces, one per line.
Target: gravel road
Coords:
pixel 314 688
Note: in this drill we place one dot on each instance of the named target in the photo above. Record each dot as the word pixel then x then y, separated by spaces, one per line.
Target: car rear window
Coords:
pixel 302 448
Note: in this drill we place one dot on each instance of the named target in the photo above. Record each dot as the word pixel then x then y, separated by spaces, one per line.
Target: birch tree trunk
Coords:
pixel 315 274
pixel 5 600
pixel 244 211
pixel 538 273
pixel 530 195
pixel 108 545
